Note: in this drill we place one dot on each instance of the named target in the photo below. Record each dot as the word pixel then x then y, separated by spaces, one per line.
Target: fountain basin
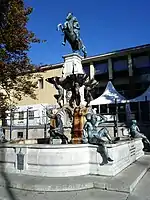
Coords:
pixel 69 160
pixel 29 141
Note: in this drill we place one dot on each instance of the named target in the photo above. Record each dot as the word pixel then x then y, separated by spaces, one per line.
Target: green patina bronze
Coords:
pixel 71 31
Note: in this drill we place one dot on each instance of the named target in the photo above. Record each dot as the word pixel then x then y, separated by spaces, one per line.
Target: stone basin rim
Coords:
pixel 63 146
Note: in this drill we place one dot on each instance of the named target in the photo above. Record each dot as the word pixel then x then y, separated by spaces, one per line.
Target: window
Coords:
pixel 144 111
pixel 103 109
pixel 86 69
pixel 112 109
pixel 31 114
pixel 134 110
pixel 141 61
pixel 20 134
pixel 21 115
pixel 41 83
pixel 101 68
pixel 120 65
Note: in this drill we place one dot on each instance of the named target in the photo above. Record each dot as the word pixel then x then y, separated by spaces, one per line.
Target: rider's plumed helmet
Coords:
pixel 69 16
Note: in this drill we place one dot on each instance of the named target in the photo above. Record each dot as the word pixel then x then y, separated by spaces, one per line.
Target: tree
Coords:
pixel 16 71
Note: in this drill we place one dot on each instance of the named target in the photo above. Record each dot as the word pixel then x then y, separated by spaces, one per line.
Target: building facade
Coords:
pixel 128 70
pixel 45 92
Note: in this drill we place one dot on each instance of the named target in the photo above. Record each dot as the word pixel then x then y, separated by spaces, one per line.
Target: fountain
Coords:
pixel 72 156
pixel 70 89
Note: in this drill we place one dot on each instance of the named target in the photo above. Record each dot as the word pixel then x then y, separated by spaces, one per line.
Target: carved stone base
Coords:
pixel 72 64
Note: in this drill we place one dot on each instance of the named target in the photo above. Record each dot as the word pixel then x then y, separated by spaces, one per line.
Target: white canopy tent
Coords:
pixel 142 98
pixel 110 96
pixel 145 96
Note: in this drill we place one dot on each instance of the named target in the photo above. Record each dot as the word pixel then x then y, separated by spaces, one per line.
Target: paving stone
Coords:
pixel 142 191
pixel 93 194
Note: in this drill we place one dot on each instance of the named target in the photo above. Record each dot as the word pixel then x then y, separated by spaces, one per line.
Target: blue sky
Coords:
pixel 106 25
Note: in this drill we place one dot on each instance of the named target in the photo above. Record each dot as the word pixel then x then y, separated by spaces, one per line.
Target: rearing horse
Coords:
pixel 69 34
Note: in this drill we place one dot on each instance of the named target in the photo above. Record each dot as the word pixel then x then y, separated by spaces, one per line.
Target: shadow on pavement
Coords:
pixel 4 174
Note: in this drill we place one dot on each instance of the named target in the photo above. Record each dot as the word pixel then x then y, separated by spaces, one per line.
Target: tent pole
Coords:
pixel 116 120
pixel 107 109
pixel 139 111
pixel 99 109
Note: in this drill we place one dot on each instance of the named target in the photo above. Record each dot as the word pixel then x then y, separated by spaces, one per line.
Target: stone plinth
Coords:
pixel 72 64
pixel 69 160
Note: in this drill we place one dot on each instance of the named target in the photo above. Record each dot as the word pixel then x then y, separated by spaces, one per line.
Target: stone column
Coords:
pixel 110 69
pixel 92 70
pixel 130 65
pixel 131 78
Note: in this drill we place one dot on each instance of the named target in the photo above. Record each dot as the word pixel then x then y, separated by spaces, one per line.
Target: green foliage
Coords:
pixel 16 79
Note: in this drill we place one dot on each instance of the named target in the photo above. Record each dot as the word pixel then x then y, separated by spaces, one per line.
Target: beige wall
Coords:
pixel 45 95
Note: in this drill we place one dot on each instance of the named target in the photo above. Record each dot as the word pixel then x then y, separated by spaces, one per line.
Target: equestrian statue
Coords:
pixel 71 31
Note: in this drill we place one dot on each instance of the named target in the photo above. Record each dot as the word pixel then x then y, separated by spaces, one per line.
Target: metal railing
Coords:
pixel 27 123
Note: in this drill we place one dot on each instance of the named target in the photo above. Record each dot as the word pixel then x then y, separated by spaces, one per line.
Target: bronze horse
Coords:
pixel 71 37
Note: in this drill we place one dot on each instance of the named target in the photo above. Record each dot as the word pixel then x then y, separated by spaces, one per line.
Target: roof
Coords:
pixel 118 52
pixel 103 56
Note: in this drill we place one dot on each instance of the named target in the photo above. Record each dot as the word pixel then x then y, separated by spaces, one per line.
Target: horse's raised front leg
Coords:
pixel 60 27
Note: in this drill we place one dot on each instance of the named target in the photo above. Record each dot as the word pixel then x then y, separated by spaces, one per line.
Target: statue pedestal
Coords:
pixel 73 65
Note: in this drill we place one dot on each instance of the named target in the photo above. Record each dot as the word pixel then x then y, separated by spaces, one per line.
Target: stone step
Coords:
pixel 142 189
pixel 126 181
pixel 45 184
